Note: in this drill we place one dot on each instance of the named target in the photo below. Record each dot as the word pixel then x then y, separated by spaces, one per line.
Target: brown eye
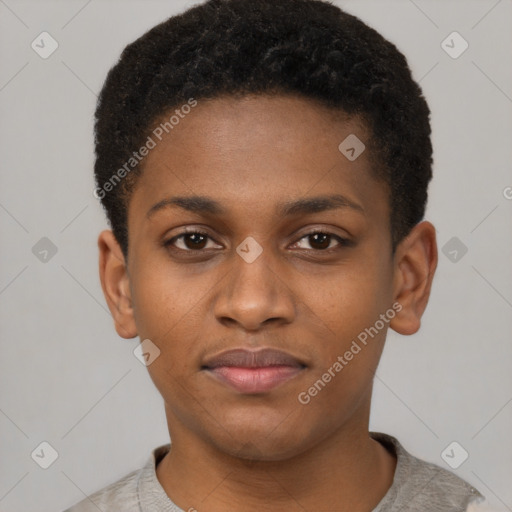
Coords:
pixel 189 241
pixel 194 240
pixel 321 241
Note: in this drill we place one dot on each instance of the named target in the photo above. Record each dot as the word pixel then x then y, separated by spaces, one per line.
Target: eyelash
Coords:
pixel 343 242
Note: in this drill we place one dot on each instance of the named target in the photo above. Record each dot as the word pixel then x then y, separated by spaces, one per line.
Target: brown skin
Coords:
pixel 232 451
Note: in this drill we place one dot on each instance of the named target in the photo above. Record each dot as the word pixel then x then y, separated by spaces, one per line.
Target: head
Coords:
pixel 264 167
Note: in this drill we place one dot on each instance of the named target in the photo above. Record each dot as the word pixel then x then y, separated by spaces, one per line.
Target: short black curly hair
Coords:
pixel 309 48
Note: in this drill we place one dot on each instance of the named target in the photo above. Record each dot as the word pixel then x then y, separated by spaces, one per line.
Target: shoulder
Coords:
pixel 121 494
pixel 419 485
pixel 124 494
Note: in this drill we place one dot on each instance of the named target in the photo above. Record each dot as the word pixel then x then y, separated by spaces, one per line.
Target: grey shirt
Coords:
pixel 418 486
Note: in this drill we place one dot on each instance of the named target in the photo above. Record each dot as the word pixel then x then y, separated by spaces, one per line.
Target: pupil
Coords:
pixel 196 239
pixel 324 238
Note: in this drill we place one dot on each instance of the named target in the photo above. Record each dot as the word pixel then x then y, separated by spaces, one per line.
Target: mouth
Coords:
pixel 253 372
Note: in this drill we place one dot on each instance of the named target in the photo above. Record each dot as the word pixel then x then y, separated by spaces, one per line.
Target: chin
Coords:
pixel 253 450
pixel 260 437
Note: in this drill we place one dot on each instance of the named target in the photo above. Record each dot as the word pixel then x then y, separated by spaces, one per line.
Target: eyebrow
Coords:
pixel 207 205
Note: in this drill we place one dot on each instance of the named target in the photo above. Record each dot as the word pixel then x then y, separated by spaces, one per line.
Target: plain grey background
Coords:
pixel 67 378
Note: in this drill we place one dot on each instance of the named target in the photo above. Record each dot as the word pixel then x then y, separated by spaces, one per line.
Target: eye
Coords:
pixel 196 241
pixel 322 241
pixel 189 241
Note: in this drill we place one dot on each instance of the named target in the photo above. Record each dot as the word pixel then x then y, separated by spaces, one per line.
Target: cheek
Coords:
pixel 163 298
pixel 166 311
pixel 343 377
pixel 351 309
pixel 350 300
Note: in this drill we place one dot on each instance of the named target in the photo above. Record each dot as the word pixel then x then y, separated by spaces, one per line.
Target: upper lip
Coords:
pixel 244 358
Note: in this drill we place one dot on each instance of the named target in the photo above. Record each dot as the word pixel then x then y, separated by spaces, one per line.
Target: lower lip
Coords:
pixel 255 380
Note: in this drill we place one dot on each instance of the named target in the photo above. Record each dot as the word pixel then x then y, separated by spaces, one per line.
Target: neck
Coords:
pixel 346 471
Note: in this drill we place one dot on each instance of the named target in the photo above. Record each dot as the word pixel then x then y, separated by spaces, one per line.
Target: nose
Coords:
pixel 254 295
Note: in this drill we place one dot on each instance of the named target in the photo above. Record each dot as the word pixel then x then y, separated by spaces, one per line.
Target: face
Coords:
pixel 277 241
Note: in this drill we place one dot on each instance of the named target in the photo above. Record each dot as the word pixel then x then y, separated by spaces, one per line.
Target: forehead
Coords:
pixel 257 151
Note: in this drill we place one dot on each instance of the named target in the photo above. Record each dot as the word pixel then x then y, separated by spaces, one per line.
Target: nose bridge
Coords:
pixel 253 293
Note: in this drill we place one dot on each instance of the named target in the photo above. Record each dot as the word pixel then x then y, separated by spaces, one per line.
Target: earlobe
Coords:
pixel 415 265
pixel 116 285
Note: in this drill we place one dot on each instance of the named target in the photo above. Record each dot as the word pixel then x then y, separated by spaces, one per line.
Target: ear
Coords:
pixel 116 284
pixel 415 263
